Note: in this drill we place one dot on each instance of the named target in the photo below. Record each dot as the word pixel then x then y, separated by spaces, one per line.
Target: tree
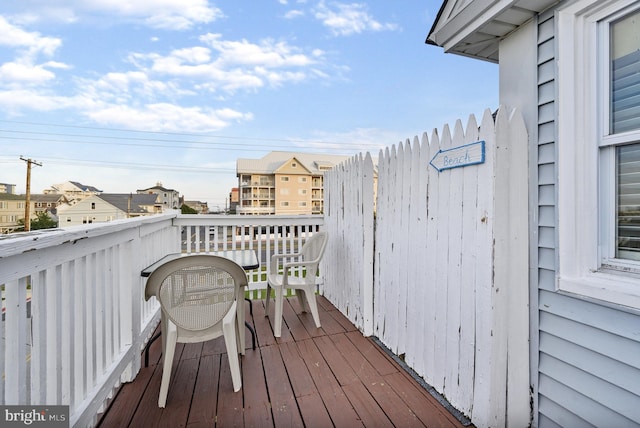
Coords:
pixel 186 209
pixel 42 221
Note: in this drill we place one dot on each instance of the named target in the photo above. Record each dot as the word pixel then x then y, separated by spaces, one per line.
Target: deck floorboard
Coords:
pixel 332 376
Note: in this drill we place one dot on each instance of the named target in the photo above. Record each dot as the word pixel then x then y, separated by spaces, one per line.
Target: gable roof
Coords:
pixel 47 197
pixel 129 202
pixel 271 162
pixel 85 188
pixel 474 28
pixel 289 162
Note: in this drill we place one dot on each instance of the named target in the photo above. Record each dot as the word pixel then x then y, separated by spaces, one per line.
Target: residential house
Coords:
pixel 73 190
pixel 283 183
pixel 12 209
pixel 48 202
pixel 169 198
pixel 108 207
pixel 201 207
pixel 572 68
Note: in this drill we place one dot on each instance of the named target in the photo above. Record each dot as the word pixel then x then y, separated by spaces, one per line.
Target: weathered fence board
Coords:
pixel 348 275
pixel 449 284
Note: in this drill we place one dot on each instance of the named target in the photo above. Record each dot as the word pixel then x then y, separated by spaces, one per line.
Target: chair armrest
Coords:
pixel 290 265
pixel 273 267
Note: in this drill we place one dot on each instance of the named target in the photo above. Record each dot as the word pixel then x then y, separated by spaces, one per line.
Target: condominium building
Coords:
pixel 283 183
pixel 169 198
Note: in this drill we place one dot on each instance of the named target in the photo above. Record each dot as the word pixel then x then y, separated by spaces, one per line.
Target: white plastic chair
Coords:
pixel 198 295
pixel 308 260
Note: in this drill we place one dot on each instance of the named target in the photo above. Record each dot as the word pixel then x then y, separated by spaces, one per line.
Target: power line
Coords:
pixel 254 139
pixel 109 164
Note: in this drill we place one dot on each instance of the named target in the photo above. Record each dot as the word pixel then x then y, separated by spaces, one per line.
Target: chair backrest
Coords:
pixel 313 248
pixel 196 292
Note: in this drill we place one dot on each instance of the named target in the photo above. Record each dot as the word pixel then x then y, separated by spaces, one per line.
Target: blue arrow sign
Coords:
pixel 469 154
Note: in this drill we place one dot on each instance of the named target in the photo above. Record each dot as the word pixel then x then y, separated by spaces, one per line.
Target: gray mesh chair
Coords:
pixel 307 260
pixel 198 295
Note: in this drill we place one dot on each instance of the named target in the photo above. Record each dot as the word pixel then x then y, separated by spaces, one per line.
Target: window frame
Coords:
pixel 586 218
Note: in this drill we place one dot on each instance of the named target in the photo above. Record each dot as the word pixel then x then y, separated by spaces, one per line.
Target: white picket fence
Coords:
pixel 449 290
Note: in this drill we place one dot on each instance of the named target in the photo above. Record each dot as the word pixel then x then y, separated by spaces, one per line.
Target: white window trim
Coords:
pixel 579 117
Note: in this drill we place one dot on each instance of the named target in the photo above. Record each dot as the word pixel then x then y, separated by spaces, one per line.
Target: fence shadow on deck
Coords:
pixel 332 376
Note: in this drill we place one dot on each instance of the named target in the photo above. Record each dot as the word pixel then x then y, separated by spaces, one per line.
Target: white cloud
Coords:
pixel 232 65
pixel 165 14
pixel 268 53
pixel 15 100
pixel 348 19
pixel 161 14
pixel 167 117
pixel 15 72
pixel 30 42
pixel 292 14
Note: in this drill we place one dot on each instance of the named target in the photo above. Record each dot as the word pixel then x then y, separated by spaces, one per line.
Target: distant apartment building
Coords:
pixel 234 199
pixel 283 183
pixel 74 191
pixel 169 198
pixel 7 188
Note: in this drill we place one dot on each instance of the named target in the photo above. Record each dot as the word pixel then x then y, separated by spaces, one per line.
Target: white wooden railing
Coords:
pixel 264 234
pixel 74 318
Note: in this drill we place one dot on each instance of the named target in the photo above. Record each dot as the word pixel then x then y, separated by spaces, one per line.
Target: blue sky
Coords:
pixel 122 94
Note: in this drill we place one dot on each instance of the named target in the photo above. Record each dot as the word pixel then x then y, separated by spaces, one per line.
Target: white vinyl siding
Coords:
pixel 588 349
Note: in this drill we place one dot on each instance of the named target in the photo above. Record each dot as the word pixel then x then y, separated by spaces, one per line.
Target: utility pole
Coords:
pixel 27 208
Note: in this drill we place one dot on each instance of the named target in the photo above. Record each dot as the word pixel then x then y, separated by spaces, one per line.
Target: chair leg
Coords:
pixel 229 330
pixel 266 305
pixel 277 322
pixel 313 306
pixel 170 337
pixel 301 298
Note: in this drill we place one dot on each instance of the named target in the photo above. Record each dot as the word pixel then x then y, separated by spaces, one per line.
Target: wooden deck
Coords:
pixel 332 376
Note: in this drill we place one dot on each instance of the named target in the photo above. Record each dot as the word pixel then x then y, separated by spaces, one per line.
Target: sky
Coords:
pixel 125 94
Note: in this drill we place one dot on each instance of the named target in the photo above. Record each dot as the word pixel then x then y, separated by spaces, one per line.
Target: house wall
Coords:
pixel 84 212
pixel 11 210
pixel 293 196
pixel 587 352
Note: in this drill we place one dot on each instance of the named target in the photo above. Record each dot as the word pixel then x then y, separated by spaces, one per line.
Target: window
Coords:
pixel 284 178
pixel 93 205
pixel 284 204
pixel 624 122
pixel 302 204
pixel 599 150
pixel 302 179
pixel 302 191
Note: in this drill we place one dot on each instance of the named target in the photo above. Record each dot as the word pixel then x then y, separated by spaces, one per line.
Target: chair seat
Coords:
pixel 293 281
